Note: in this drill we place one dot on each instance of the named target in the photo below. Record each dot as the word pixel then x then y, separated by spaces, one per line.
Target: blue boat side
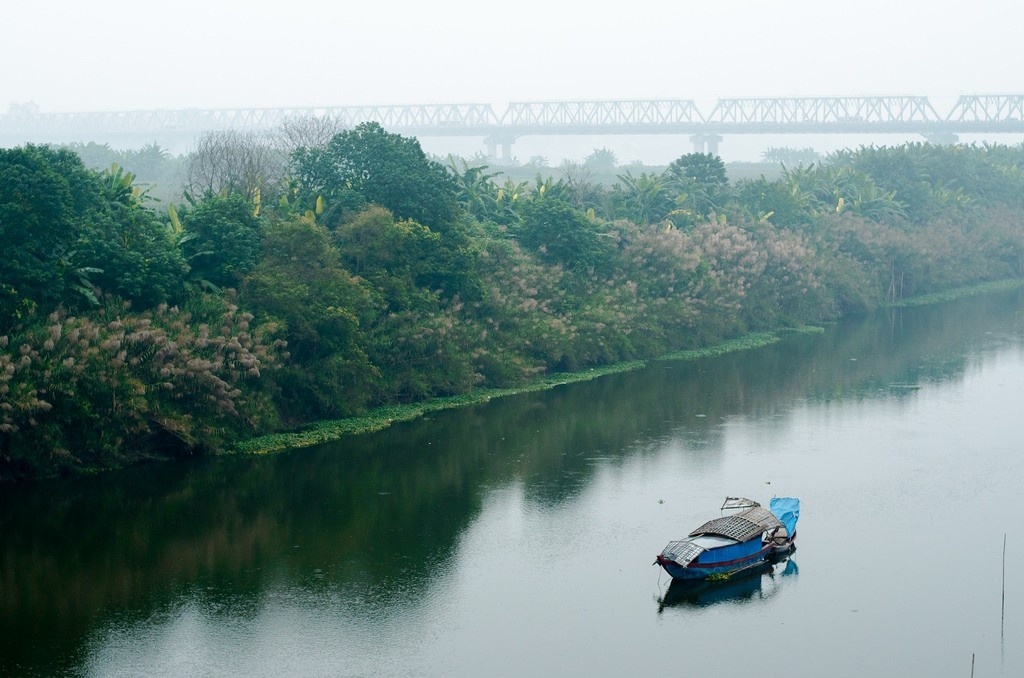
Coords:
pixel 721 561
pixel 728 552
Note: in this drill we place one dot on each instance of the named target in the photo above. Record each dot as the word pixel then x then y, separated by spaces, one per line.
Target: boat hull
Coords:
pixel 719 570
pixel 770 552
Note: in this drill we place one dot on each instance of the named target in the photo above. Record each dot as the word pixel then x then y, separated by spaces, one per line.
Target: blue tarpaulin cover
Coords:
pixel 787 510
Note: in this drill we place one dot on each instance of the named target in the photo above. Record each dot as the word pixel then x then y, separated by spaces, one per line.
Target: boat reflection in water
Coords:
pixel 745 587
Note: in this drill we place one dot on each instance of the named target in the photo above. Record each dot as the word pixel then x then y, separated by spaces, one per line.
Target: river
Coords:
pixel 516 538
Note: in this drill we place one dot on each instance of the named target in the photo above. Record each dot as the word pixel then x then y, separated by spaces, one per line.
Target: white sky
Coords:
pixel 78 55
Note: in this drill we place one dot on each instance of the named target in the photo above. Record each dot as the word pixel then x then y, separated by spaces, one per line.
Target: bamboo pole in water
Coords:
pixel 1002 614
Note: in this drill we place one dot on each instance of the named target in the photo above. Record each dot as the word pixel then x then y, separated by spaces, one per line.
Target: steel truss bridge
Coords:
pixel 976 113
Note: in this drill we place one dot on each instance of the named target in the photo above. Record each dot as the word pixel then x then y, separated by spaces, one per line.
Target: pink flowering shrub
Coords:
pixel 102 389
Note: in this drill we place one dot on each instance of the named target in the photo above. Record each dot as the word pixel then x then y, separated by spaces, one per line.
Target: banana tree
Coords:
pixel 643 199
pixel 475 187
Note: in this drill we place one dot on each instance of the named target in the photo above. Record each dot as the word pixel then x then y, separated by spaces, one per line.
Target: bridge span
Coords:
pixel 971 114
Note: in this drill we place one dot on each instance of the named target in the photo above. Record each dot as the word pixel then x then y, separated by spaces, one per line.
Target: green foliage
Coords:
pixel 301 285
pixel 901 175
pixel 700 180
pixel 744 343
pixel 644 199
pixel 396 257
pixel 225 239
pixel 561 234
pixel 929 181
pixel 70 229
pixel 382 417
pixel 102 389
pixel 422 353
pixel 476 191
pixel 840 190
pixel 152 165
pixel 45 200
pixel 131 249
pixel 386 169
pixel 963 292
pixel 392 172
pixel 779 202
pixel 390 279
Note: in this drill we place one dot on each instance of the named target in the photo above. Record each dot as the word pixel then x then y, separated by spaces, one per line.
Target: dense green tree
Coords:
pixel 225 242
pixel 398 258
pixel 902 175
pixel 301 284
pixel 392 171
pixel 130 250
pixel 44 196
pixel 68 230
pixel 700 180
pixel 561 234
pixel 777 201
pixel 386 169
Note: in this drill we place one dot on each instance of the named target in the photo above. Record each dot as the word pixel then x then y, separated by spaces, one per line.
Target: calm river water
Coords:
pixel 516 538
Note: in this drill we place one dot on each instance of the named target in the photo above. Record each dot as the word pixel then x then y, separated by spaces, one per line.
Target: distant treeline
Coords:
pixel 318 273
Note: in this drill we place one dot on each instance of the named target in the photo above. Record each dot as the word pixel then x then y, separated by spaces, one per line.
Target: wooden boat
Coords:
pixel 746 538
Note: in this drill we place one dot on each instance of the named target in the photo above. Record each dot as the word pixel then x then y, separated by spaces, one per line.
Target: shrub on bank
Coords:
pixel 109 387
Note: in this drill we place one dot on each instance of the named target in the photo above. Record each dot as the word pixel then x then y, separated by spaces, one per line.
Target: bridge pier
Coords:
pixel 706 143
pixel 506 149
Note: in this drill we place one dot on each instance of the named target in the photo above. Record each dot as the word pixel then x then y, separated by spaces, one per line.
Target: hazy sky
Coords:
pixel 101 55
pixel 77 55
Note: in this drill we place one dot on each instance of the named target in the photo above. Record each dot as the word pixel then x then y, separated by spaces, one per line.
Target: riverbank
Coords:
pixel 962 293
pixel 383 417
